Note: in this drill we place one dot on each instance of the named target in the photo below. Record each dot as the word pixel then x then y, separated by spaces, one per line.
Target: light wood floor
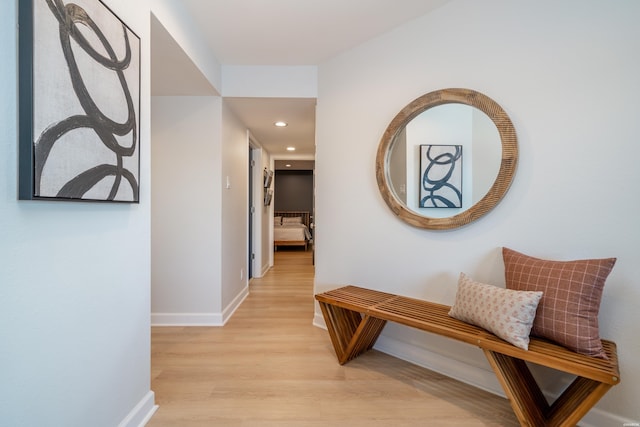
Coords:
pixel 269 366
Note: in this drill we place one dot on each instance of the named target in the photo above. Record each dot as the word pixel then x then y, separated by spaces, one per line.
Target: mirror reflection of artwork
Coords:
pixel 440 176
pixel 86 98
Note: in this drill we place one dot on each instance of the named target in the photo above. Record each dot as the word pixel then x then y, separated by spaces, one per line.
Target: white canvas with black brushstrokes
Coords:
pixel 86 84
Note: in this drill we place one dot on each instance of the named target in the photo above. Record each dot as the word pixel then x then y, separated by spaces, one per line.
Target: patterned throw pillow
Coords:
pixel 508 314
pixel 568 310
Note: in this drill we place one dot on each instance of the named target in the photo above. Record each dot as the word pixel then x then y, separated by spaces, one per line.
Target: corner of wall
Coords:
pixel 141 413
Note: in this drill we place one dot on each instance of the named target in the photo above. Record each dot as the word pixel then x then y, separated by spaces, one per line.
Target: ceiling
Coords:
pixel 260 114
pixel 278 33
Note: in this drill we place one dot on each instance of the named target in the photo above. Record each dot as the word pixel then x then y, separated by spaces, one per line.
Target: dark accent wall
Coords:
pixel 293 190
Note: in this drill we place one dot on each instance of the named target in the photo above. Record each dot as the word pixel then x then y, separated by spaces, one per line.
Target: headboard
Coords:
pixel 293 214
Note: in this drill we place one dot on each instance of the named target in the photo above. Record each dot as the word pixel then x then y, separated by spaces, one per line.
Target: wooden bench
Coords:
pixel 355 317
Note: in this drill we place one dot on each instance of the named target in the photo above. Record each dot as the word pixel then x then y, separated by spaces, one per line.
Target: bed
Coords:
pixel 291 228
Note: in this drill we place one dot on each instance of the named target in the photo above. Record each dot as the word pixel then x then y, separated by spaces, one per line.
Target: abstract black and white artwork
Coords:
pixel 80 103
pixel 440 176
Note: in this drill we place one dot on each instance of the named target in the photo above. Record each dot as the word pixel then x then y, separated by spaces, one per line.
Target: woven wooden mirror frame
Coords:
pixel 507 165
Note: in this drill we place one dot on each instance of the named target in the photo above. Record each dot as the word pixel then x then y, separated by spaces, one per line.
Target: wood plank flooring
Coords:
pixel 269 366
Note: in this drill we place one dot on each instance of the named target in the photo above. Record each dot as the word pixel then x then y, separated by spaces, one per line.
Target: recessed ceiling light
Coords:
pixel 288 165
pixel 291 148
pixel 281 124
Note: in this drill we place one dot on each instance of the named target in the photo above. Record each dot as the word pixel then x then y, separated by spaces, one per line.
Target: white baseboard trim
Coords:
pixel 265 269
pixel 186 319
pixel 597 418
pixel 318 320
pixel 483 379
pixel 477 377
pixel 200 319
pixel 141 413
pixel 233 306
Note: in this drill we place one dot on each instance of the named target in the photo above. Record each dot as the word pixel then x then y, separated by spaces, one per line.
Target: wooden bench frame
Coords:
pixel 355 317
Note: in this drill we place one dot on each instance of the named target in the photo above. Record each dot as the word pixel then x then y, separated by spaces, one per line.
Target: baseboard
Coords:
pixel 444 365
pixel 200 319
pixel 265 269
pixel 233 306
pixel 597 418
pixel 186 319
pixel 318 321
pixel 483 379
pixel 141 413
pixel 477 377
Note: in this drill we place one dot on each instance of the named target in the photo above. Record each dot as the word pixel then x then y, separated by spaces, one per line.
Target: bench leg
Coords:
pixel 351 333
pixel 528 402
pixel 576 401
pixel 526 398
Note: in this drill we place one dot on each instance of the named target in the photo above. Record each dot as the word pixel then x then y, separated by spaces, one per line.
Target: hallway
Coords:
pixel 269 366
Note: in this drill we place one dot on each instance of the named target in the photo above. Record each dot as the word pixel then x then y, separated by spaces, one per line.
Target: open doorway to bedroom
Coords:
pixel 294 207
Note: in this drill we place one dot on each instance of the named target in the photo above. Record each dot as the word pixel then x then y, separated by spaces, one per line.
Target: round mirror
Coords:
pixel 446 159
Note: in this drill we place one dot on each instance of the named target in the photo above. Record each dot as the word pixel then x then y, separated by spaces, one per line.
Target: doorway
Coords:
pixel 294 195
pixel 256 263
pixel 252 211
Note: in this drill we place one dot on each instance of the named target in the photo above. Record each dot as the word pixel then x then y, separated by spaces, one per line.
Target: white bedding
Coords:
pixel 291 232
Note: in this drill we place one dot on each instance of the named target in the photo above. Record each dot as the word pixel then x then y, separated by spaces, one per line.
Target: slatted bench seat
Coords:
pixel 355 317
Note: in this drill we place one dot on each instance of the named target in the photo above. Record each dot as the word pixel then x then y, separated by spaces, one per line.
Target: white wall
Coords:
pixel 270 81
pixel 74 282
pixel 186 218
pixel 567 76
pixel 177 21
pixel 235 209
pixel 199 226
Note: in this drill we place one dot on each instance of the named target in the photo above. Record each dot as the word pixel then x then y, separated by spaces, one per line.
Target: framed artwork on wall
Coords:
pixel 268 177
pixel 440 176
pixel 79 110
pixel 268 195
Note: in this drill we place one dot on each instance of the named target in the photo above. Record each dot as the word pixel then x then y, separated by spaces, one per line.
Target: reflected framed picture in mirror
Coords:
pixel 440 176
